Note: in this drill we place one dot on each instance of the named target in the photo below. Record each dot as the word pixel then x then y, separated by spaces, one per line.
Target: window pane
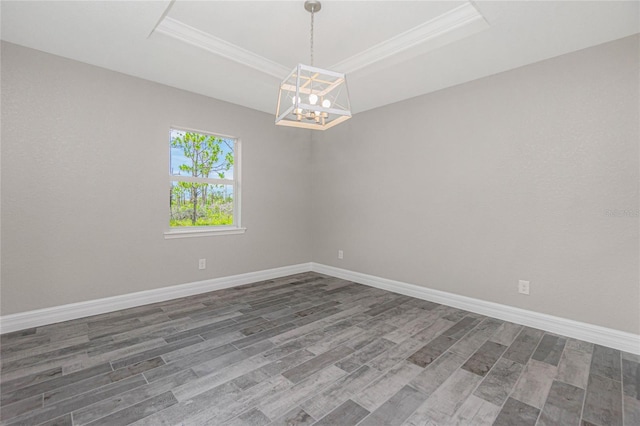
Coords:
pixel 201 155
pixel 200 204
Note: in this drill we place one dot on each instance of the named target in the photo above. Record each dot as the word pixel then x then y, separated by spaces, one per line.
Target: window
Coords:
pixel 204 190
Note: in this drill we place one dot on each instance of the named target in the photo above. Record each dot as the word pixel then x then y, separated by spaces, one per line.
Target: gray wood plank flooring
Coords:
pixel 309 349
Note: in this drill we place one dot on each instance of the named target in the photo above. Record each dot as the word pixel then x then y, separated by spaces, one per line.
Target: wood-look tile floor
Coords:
pixel 310 349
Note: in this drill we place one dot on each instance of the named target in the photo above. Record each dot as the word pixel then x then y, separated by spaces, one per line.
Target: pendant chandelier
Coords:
pixel 311 97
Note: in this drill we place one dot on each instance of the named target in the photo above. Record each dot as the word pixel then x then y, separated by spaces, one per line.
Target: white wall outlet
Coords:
pixel 523 287
pixel 202 264
pixel 340 254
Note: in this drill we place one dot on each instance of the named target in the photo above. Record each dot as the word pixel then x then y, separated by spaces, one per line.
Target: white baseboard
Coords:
pixel 621 340
pixel 36 318
pixel 579 330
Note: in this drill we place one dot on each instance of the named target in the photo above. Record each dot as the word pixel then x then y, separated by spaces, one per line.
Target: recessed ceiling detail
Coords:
pixel 195 37
pixel 456 24
pixel 453 25
pixel 391 50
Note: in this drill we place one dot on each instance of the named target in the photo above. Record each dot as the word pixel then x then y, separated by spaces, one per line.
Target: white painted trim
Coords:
pixel 20 321
pixel 579 330
pixel 195 179
pixel 453 25
pixel 193 36
pixel 456 24
pixel 194 231
pixel 621 340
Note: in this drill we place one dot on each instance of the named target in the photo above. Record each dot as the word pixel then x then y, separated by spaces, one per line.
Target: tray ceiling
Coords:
pixel 238 51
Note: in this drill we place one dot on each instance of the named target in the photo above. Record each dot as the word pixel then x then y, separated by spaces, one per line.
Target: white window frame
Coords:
pixel 207 231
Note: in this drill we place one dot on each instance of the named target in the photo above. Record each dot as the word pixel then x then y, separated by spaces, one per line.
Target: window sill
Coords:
pixel 201 232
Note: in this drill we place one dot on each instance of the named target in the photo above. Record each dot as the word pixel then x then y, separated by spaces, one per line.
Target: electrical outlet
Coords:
pixel 340 254
pixel 202 264
pixel 523 287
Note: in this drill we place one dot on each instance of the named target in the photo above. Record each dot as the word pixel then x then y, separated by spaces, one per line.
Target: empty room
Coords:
pixel 320 212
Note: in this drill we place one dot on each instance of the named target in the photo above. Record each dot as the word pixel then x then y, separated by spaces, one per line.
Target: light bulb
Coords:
pixel 326 103
pixel 313 99
pixel 293 100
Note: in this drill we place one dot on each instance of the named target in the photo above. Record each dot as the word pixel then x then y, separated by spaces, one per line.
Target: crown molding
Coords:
pixel 193 36
pixel 458 23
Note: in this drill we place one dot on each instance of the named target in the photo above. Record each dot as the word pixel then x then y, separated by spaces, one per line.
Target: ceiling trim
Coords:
pixel 463 20
pixel 459 22
pixel 193 36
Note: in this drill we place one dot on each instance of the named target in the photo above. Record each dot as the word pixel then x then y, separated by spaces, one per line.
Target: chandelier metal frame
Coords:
pixel 312 97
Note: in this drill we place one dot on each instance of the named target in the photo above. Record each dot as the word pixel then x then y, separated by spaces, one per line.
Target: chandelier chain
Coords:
pixel 313 9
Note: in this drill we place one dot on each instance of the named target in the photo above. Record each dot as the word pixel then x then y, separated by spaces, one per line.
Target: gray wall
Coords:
pixel 510 177
pixel 465 190
pixel 77 140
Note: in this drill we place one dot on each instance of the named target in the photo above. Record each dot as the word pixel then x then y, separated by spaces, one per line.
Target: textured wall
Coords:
pixel 530 174
pixel 77 138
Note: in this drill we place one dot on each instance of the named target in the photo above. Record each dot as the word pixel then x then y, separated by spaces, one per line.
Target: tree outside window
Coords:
pixel 203 180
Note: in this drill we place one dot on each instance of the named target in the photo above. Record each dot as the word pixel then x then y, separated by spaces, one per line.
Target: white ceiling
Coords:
pixel 238 51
